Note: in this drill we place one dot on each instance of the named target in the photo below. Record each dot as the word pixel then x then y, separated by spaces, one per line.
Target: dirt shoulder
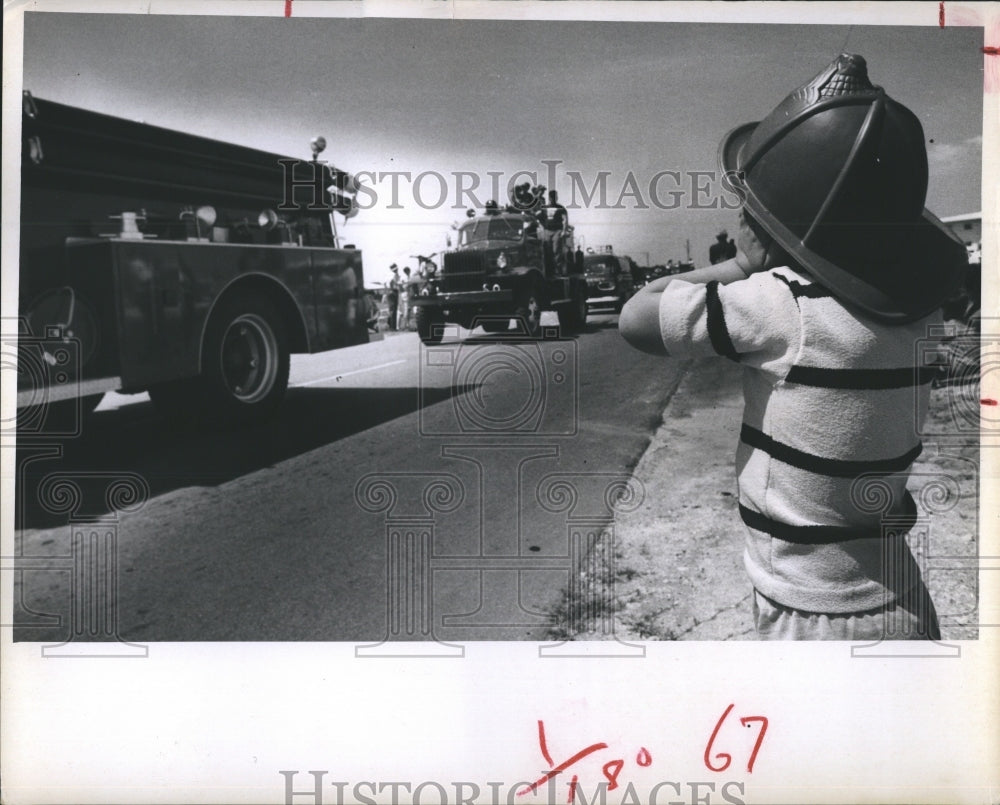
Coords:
pixel 678 570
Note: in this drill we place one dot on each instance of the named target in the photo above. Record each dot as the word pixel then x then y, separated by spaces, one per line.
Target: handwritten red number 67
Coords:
pixel 725 758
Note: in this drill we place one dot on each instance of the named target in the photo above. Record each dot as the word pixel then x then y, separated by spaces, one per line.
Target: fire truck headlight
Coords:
pixel 207 215
pixel 501 261
pixel 267 220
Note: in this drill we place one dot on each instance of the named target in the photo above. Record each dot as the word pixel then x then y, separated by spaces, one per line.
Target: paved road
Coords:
pixel 404 492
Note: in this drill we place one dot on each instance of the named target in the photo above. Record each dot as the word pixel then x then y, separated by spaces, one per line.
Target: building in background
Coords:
pixel 969 229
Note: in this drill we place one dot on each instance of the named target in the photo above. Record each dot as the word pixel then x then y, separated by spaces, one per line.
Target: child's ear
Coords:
pixel 754 253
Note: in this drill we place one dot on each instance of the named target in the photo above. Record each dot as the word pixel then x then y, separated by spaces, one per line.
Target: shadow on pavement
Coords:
pixel 514 337
pixel 135 439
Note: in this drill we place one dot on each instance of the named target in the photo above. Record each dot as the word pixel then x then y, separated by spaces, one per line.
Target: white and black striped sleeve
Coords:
pixel 755 321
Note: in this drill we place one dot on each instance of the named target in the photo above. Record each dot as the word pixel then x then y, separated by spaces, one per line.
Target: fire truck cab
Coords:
pixel 500 270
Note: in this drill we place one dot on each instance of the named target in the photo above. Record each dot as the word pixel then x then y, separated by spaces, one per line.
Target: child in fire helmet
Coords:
pixel 840 271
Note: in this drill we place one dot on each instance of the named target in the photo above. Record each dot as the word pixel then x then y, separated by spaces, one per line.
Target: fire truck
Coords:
pixel 502 269
pixel 155 260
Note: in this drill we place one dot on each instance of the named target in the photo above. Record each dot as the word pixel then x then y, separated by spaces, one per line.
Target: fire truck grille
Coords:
pixel 463 271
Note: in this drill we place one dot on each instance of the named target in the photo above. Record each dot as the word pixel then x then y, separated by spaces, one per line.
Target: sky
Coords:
pixel 626 101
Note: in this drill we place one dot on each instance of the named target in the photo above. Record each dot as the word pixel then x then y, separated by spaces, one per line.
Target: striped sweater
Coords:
pixel 830 428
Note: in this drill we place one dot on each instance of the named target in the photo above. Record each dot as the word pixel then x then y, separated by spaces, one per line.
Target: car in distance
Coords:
pixel 609 280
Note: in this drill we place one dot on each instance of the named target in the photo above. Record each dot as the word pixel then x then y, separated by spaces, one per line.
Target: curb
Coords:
pixel 677 567
pixel 679 571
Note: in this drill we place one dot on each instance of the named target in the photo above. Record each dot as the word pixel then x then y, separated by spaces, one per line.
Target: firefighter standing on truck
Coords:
pixel 555 223
pixel 392 297
pixel 724 248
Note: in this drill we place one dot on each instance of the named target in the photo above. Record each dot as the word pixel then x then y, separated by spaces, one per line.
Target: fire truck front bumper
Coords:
pixel 464 298
pixel 603 300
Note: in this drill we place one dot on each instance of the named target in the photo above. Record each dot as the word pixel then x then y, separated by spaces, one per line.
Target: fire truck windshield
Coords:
pixel 490 229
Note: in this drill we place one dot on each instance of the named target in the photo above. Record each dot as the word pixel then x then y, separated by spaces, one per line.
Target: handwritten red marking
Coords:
pixel 572 789
pixel 971 14
pixel 991 67
pixel 762 720
pixel 726 758
pixel 562 767
pixel 542 744
pixel 611 771
pixel 988 401
pixel 288 8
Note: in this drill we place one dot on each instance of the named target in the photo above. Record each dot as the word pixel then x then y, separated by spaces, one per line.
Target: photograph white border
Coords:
pixel 218 722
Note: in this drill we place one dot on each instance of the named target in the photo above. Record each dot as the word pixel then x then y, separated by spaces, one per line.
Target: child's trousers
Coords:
pixel 910 617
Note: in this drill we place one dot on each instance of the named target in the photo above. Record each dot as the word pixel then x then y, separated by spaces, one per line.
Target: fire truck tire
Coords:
pixel 573 316
pixel 427 319
pixel 245 360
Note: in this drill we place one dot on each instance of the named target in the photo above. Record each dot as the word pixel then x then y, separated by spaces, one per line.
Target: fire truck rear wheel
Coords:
pixel 429 323
pixel 245 361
